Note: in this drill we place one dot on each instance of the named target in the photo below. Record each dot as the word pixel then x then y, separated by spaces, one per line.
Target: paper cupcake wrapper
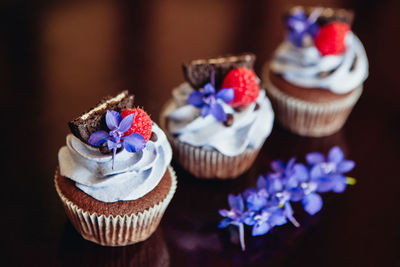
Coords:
pixel 118 230
pixel 211 163
pixel 208 164
pixel 308 118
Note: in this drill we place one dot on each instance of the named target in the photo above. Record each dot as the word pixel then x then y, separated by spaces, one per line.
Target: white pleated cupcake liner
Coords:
pixel 208 163
pixel 117 230
pixel 309 118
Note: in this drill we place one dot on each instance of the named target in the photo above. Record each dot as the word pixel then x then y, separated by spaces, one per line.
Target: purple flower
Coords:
pixel 299 25
pixel 312 203
pixel 328 172
pixel 115 137
pixel 234 216
pixel 266 219
pixel 210 102
pixel 287 179
pixel 269 204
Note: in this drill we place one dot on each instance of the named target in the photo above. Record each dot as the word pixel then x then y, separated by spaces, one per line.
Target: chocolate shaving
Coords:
pixel 229 120
pixel 153 137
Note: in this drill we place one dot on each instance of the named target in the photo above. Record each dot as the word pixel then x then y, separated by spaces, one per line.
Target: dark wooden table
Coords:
pixel 58 58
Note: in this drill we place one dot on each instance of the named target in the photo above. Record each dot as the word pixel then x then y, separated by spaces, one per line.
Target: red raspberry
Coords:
pixel 141 122
pixel 244 84
pixel 330 38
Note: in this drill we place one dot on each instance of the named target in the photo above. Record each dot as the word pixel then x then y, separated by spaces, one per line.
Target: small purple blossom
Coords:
pixel 269 204
pixel 299 25
pixel 115 137
pixel 234 216
pixel 328 172
pixel 211 101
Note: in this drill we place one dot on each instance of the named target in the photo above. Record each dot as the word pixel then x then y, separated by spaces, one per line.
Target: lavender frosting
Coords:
pixel 303 66
pixel 133 176
pixel 251 126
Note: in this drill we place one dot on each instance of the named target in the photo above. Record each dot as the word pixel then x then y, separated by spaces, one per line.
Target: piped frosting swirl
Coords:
pixel 133 175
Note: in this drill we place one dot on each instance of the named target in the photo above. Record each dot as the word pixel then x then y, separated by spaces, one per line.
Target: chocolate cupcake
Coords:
pixel 114 178
pixel 316 75
pixel 218 119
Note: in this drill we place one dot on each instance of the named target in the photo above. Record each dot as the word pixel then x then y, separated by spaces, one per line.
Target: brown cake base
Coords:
pixel 119 223
pixel 308 112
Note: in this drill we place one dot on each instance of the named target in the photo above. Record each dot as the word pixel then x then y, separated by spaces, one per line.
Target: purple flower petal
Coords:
pixel 325 184
pixel 339 183
pixel 223 212
pixel 315 158
pixel 98 138
pixel 226 94
pixel 313 29
pixel 260 229
pixel 296 194
pixel 218 112
pixel 205 111
pixel 249 218
pixel 261 182
pixel 278 166
pixel 290 164
pixel 316 172
pixel 301 172
pixel 126 123
pixel 209 89
pixel 224 223
pixel 236 202
pixel 335 155
pixel 134 142
pixel 256 202
pixel 345 166
pixel 112 119
pixel 274 185
pixel 277 218
pixel 312 203
pixel 196 99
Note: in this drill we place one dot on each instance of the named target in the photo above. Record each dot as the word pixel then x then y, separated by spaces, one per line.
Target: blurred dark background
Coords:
pixel 57 58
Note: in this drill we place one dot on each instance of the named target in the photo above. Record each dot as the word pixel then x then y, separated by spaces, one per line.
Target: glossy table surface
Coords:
pixel 58 58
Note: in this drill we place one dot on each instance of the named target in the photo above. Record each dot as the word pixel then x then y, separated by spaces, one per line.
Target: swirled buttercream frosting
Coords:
pixel 133 174
pixel 306 67
pixel 251 125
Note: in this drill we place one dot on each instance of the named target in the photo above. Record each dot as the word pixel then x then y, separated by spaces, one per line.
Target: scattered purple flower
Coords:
pixel 328 172
pixel 269 204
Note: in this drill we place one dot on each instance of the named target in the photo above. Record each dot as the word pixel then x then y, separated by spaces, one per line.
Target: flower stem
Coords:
pixel 294 221
pixel 241 236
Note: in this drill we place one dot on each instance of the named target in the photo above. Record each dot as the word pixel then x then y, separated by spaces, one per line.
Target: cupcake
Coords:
pixel 114 177
pixel 219 118
pixel 316 75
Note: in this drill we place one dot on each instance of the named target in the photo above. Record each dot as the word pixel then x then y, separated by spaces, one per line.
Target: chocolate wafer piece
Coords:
pixel 198 72
pixel 94 119
pixel 328 14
